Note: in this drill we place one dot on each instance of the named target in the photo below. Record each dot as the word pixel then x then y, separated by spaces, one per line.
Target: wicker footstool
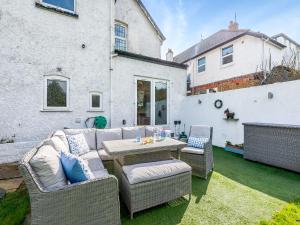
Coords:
pixel 140 191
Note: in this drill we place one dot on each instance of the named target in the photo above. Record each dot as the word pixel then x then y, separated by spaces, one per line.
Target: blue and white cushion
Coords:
pixel 78 144
pixel 75 168
pixel 197 142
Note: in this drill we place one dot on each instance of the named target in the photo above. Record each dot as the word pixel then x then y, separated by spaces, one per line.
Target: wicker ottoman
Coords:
pixel 145 194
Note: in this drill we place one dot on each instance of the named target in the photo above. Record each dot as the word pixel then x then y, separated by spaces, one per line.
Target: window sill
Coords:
pixel 227 65
pixel 56 110
pixel 95 110
pixel 53 9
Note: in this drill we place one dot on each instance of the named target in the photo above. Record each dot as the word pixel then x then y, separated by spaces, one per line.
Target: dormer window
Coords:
pixel 120 36
pixel 63 5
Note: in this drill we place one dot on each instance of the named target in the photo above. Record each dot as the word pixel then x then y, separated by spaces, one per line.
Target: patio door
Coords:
pixel 152 102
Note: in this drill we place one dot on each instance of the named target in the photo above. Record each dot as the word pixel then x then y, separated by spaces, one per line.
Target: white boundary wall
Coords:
pixel 249 105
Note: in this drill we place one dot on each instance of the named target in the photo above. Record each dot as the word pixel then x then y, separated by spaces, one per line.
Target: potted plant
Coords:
pixel 236 148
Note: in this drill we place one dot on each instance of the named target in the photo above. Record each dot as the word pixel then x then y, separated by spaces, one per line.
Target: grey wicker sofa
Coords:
pixel 201 160
pixel 92 202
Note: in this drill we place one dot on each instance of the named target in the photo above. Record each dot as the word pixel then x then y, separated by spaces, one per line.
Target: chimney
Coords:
pixel 233 26
pixel 169 55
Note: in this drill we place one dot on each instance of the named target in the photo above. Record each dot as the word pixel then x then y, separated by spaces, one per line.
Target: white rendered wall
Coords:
pixel 247 59
pixel 33 43
pixel 249 105
pixel 124 74
pixel 142 37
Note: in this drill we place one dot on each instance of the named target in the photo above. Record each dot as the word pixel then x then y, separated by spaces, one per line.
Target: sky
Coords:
pixel 184 22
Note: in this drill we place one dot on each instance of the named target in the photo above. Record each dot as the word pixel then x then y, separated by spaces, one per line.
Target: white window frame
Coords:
pixel 95 109
pixel 198 66
pixel 59 8
pixel 121 38
pixel 222 57
pixel 60 78
pixel 152 97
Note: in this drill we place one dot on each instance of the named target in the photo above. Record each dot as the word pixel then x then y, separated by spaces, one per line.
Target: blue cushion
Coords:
pixel 197 142
pixel 74 167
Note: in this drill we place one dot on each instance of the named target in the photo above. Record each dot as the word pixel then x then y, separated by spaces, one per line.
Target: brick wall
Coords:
pixel 243 81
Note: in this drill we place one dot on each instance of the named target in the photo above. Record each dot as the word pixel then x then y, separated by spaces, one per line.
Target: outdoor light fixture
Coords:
pixel 199 102
pixel 83 46
pixel 270 95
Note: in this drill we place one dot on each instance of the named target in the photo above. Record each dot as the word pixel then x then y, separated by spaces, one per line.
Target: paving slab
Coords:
pixel 11 185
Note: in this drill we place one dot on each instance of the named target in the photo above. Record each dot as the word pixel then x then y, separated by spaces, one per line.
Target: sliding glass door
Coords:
pixel 152 102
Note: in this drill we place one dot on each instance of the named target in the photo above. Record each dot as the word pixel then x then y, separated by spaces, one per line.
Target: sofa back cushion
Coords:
pixel 89 134
pixel 48 168
pixel 108 135
pixel 131 132
pixel 58 144
pixel 62 136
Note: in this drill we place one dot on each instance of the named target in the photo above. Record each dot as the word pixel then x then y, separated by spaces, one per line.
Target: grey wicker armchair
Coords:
pixel 92 202
pixel 201 160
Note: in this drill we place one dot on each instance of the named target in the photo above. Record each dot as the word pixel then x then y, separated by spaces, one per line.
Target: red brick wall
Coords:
pixel 244 81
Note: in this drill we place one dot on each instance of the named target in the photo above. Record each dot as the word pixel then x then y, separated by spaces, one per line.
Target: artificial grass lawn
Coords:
pixel 238 192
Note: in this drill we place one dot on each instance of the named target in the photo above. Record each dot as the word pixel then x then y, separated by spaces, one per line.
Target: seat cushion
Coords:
pixel 104 156
pixel 75 168
pixel 93 160
pixel 155 170
pixel 107 135
pixel 100 173
pixel 60 134
pixel 89 134
pixel 132 132
pixel 48 168
pixel 192 150
pixel 78 144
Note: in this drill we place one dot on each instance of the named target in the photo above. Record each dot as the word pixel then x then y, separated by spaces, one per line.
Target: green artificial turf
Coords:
pixel 238 192
pixel 14 207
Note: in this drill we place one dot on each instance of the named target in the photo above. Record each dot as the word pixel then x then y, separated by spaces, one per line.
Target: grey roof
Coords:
pixel 216 40
pixel 286 37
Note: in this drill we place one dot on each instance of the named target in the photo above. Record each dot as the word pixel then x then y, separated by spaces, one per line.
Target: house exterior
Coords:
pixel 62 62
pixel 231 58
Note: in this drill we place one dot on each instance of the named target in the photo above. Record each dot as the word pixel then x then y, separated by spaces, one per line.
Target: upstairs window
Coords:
pixel 120 37
pixel 56 93
pixel 65 5
pixel 201 65
pixel 227 55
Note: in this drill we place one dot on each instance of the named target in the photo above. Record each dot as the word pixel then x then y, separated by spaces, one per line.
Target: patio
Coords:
pixel 238 192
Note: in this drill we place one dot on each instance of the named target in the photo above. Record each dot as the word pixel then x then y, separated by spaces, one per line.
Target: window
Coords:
pixel 56 93
pixel 120 37
pixel 201 65
pixel 96 101
pixel 152 102
pixel 188 83
pixel 227 55
pixel 65 5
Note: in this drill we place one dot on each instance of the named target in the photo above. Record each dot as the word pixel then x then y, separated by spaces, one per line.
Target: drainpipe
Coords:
pixel 111 26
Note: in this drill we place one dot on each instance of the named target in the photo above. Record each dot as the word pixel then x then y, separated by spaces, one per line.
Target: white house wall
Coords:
pixel 247 59
pixel 249 104
pixel 34 42
pixel 142 37
pixel 123 98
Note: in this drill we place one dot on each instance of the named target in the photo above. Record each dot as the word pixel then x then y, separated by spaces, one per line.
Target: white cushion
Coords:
pixel 155 170
pixel 107 135
pixel 192 150
pixel 149 130
pixel 48 168
pixel 78 144
pixel 131 132
pixel 63 137
pixel 89 134
pixel 100 173
pixel 58 144
pixel 104 156
pixel 93 160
